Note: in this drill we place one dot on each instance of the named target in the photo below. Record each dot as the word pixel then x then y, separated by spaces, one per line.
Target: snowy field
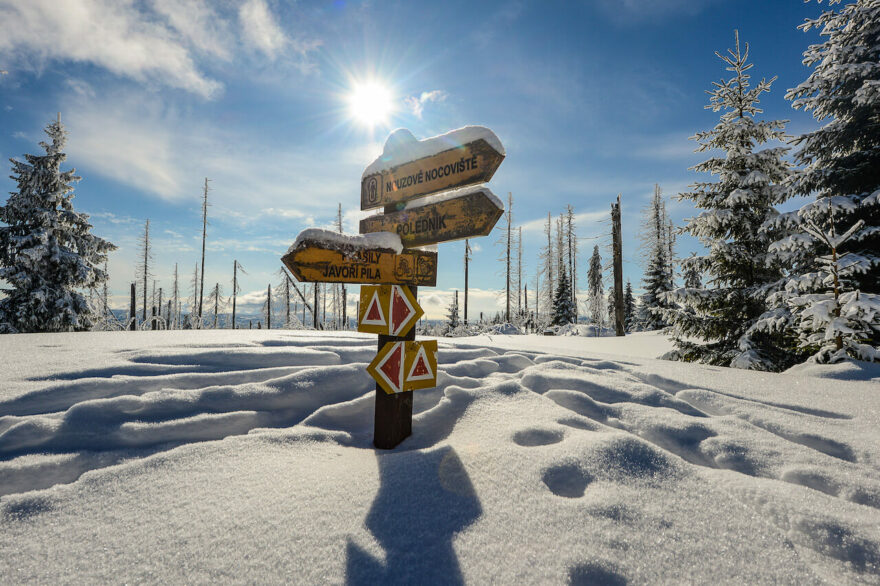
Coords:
pixel 196 457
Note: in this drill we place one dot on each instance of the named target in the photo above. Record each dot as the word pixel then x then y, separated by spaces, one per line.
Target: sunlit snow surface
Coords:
pixel 192 457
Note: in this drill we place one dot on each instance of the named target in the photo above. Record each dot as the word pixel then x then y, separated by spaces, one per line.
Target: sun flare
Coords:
pixel 370 103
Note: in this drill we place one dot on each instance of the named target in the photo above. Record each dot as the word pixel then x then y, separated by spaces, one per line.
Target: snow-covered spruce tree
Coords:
pixel 629 307
pixel 563 308
pixel 841 160
pixel 832 319
pixel 452 315
pixel 595 288
pixel 714 324
pixel 47 253
pixel 658 272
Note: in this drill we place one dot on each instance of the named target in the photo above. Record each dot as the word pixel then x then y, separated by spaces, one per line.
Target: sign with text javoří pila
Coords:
pixel 323 256
pixel 410 168
pixel 453 215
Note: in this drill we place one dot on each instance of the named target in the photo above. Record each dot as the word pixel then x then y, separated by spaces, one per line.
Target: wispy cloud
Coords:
pixel 259 29
pixel 110 34
pixel 167 156
pixel 416 104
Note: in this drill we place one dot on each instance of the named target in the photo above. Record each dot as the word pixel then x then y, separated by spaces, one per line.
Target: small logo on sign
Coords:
pixel 371 189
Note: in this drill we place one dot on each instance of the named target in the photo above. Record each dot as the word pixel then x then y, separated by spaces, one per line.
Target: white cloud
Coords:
pixel 111 34
pixel 259 28
pixel 197 23
pixel 138 141
pixel 417 104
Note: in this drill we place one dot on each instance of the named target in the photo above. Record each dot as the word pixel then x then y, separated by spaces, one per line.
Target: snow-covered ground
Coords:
pixel 193 457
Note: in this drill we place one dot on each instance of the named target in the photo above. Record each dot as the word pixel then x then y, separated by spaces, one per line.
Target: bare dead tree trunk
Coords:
pixel 204 235
pixel 509 221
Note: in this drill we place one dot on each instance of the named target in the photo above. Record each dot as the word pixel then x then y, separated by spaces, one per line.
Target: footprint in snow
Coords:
pixel 538 437
pixel 567 480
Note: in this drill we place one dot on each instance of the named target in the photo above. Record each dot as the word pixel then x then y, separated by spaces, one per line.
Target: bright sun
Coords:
pixel 370 103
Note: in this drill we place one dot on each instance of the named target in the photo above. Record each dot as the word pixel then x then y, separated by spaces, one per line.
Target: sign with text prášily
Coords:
pixel 314 262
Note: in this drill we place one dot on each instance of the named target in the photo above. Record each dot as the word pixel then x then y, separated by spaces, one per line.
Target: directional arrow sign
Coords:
pixel 449 216
pixel 409 168
pixel 317 260
pixel 405 366
pixel 391 310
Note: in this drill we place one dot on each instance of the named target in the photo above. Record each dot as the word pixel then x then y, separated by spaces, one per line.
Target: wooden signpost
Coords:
pixel 408 169
pixel 458 158
pixel 316 261
pixel 467 215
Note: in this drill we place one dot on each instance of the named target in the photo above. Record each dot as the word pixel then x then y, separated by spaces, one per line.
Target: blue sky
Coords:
pixel 590 99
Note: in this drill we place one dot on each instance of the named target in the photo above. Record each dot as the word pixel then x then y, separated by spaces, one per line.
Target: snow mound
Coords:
pixel 506 329
pixel 845 370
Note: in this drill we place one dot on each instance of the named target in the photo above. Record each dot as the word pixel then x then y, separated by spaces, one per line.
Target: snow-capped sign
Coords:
pixel 391 310
pixel 410 168
pixel 316 257
pixel 453 215
pixel 405 366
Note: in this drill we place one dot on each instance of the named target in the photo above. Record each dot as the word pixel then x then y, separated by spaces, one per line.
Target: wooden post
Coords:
pixel 315 306
pixel 393 419
pixel 619 324
pixel 132 312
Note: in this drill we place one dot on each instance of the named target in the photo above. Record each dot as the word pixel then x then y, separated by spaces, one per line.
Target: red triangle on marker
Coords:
pixel 392 367
pixel 374 313
pixel 400 310
pixel 374 316
pixel 421 367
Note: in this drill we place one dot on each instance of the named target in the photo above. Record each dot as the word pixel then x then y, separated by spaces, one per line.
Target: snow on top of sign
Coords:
pixel 452 194
pixel 335 240
pixel 401 146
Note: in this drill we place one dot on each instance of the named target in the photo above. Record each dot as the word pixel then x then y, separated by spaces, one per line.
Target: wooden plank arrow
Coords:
pixel 391 310
pixel 409 168
pixel 405 366
pixel 455 215
pixel 317 257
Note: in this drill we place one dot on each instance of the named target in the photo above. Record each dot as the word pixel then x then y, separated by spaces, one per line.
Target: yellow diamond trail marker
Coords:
pixel 323 256
pixel 403 366
pixel 391 310
pixel 410 168
pixel 453 215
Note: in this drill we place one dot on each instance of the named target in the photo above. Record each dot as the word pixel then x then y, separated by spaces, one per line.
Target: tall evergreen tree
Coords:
pixel 740 270
pixel 841 160
pixel 48 255
pixel 658 273
pixel 563 308
pixel 595 288
pixel 452 315
pixel 629 307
